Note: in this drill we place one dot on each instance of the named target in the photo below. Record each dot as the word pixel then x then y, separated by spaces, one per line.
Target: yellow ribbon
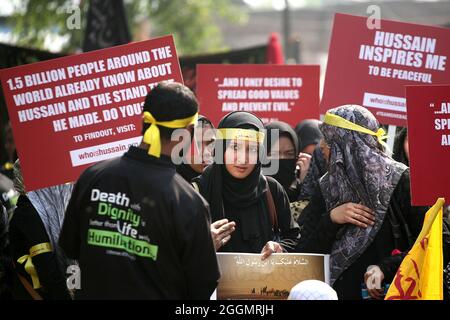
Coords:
pixel 240 134
pixel 152 134
pixel 29 266
pixel 8 166
pixel 337 121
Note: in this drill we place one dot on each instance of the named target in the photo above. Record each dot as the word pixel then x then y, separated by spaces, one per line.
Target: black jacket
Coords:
pixel 139 231
pixel 25 231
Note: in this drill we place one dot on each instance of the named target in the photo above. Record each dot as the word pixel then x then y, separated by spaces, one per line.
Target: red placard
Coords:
pixel 370 67
pixel 429 142
pixel 273 92
pixel 71 112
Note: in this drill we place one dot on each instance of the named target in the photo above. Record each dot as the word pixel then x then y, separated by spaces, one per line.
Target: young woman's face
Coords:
pixel 241 158
pixel 283 149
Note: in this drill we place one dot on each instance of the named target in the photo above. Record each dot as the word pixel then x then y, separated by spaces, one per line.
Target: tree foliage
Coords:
pixel 192 22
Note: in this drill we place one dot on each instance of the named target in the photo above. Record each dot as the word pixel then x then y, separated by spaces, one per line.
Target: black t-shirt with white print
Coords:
pixel 139 231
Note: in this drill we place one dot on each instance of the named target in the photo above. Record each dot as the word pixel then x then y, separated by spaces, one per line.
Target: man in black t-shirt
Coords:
pixel 138 230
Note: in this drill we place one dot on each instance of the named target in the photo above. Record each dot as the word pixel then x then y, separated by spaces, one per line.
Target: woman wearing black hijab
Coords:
pixel 238 192
pixel 285 151
pixel 309 135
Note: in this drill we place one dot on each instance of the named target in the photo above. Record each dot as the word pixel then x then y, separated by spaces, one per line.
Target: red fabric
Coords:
pixel 274 51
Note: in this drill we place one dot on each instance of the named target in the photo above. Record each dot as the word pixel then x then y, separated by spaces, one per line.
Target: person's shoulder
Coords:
pixel 185 187
pixel 405 175
pixel 403 184
pixel 104 165
pixel 274 185
pixel 272 182
pixel 100 168
pixel 24 213
pixel 188 192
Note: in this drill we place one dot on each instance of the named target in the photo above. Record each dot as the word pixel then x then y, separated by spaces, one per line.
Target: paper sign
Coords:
pixel 429 142
pixel 272 92
pixel 370 67
pixel 245 276
pixel 71 112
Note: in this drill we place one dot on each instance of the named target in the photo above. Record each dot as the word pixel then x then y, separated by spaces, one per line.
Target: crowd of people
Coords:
pixel 147 225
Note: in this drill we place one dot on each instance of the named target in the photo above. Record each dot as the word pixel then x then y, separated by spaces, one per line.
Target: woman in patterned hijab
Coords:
pixel 359 172
pixel 362 210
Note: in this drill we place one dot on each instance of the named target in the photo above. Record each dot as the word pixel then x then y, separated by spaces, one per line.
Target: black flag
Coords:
pixel 106 25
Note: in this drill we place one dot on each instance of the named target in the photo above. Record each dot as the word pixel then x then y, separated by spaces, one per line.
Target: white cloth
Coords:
pixel 50 203
pixel 312 290
pixel 374 277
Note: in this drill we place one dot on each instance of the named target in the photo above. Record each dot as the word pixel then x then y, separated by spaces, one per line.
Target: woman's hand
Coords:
pixel 373 279
pixel 269 248
pixel 303 162
pixel 221 231
pixel 353 213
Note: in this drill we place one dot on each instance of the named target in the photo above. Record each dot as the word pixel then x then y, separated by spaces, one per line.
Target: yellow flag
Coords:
pixel 420 276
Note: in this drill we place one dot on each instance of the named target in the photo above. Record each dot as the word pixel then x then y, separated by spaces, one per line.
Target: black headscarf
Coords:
pixel 184 169
pixel 308 132
pixel 286 172
pixel 240 200
pixel 399 153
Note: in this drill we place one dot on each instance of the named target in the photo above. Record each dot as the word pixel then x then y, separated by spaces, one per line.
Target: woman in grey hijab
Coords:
pixel 360 212
pixel 34 230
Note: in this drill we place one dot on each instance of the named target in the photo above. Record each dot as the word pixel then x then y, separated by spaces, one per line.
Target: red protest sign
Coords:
pixel 370 67
pixel 429 142
pixel 71 112
pixel 273 92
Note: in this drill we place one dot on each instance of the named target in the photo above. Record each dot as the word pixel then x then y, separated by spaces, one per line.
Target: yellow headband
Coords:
pixel 152 135
pixel 337 121
pixel 240 134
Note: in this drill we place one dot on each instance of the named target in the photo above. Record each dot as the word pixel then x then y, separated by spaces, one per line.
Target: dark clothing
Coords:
pixel 308 132
pixel 447 281
pixel 7 171
pixel 286 170
pixel 398 152
pixel 25 231
pixel 253 224
pixel 6 185
pixel 318 234
pixel 186 172
pixel 446 244
pixel 244 200
pixel 317 169
pixel 286 177
pixel 253 232
pixel 139 231
pixel 6 267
